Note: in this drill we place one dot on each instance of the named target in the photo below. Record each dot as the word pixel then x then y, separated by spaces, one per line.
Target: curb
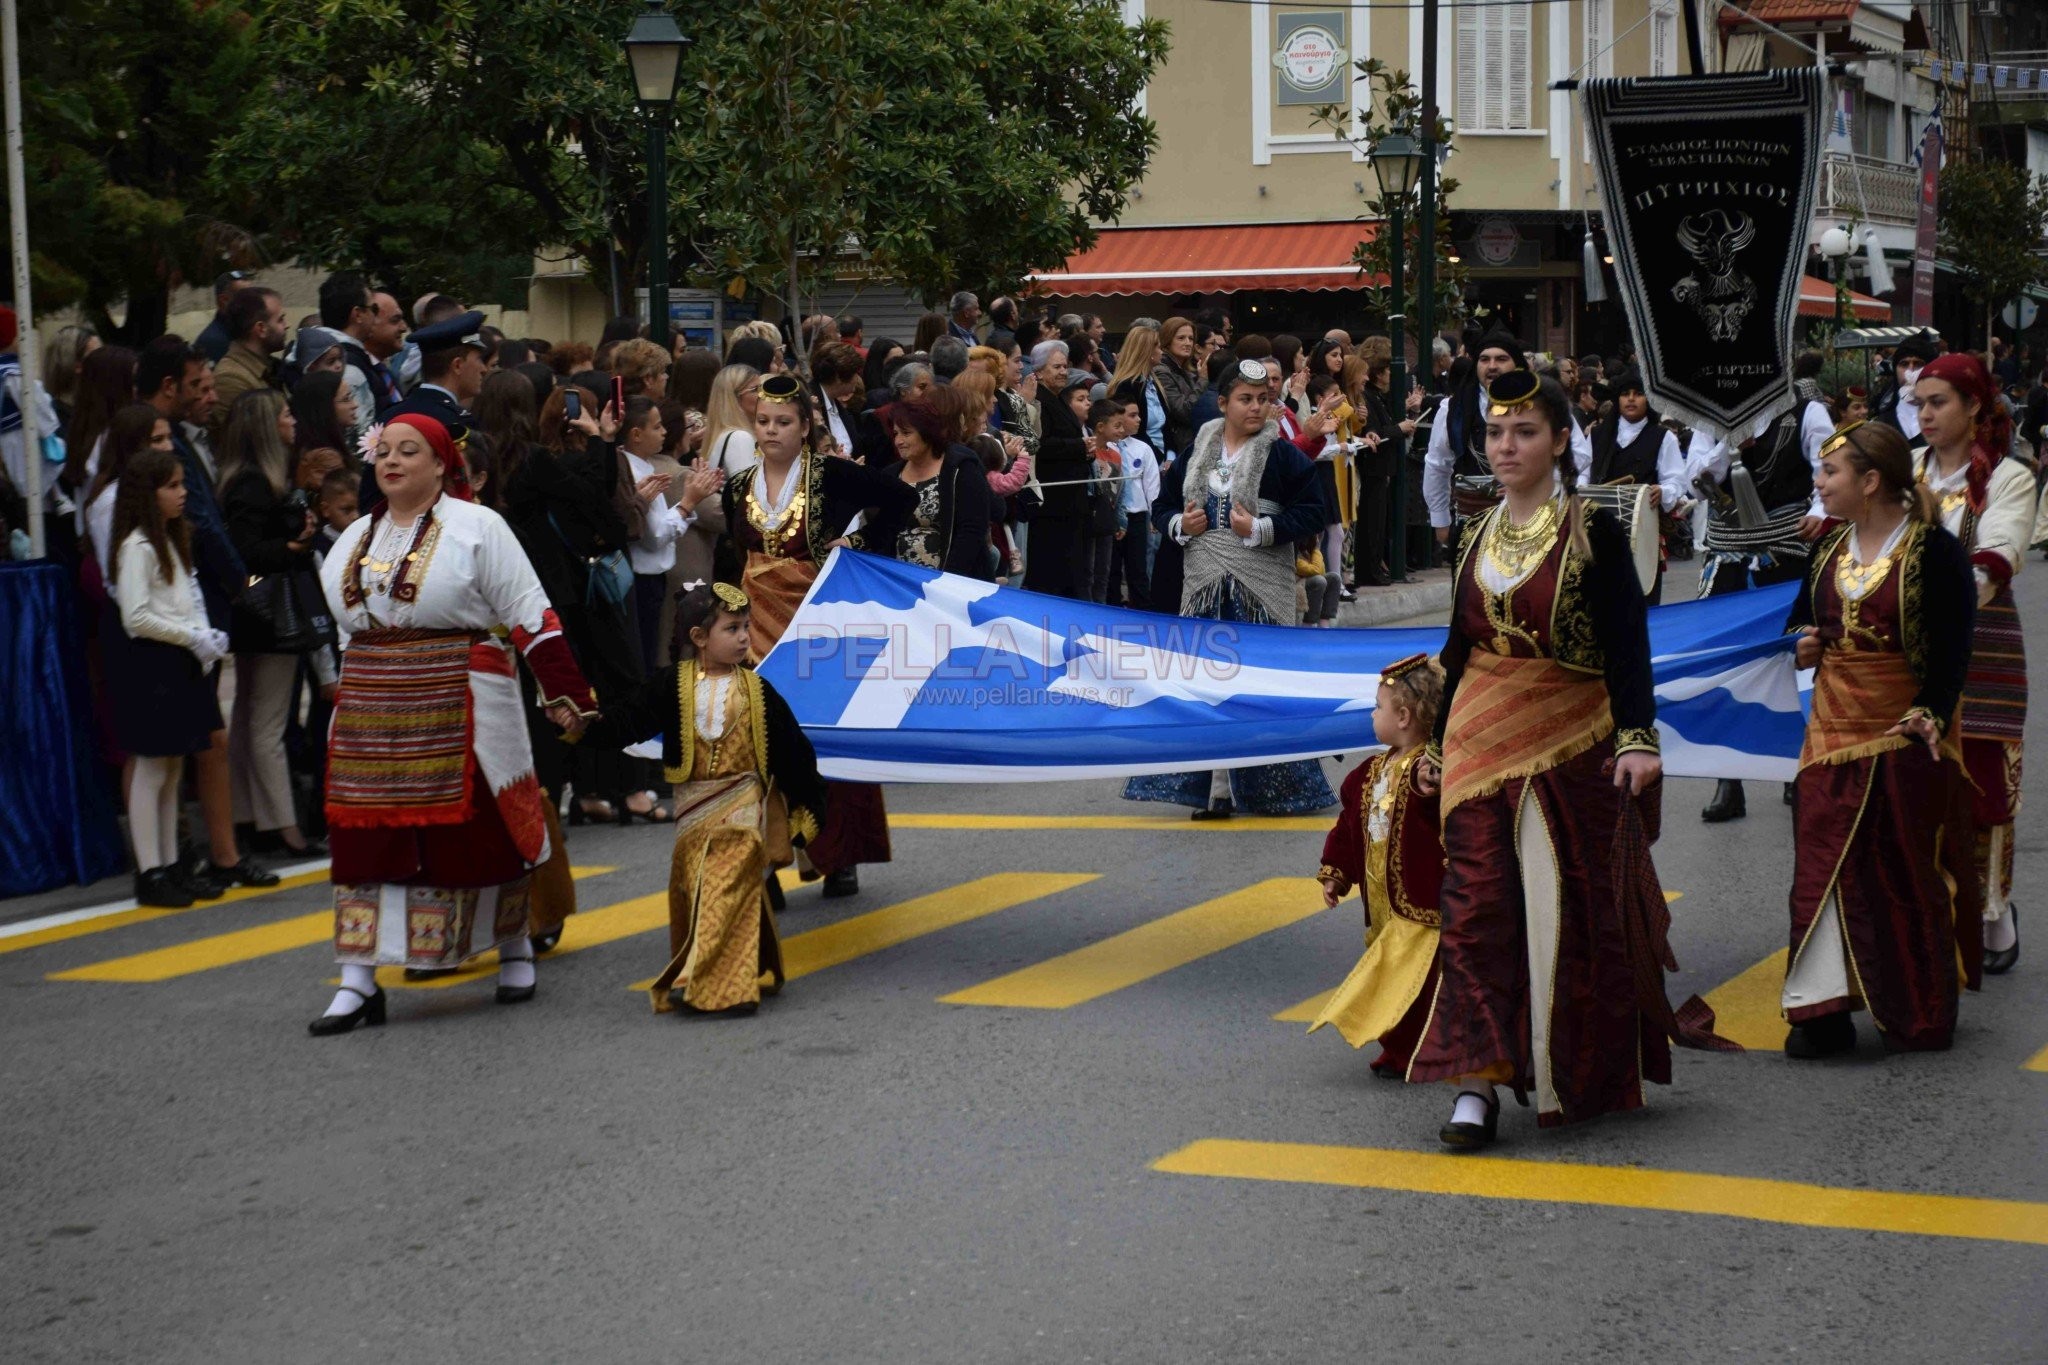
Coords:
pixel 1430 592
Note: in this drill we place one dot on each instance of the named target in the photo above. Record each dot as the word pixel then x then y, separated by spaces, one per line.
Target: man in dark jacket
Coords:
pixel 213 342
pixel 1056 563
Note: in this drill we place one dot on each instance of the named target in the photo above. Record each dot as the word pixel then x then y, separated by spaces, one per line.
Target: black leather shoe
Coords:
pixel 1828 1036
pixel 1222 812
pixel 247 872
pixel 198 886
pixel 544 943
pixel 1791 792
pixel 844 882
pixel 158 889
pixel 1470 1137
pixel 1728 803
pixel 370 1012
pixel 515 995
pixel 429 973
pixel 1999 961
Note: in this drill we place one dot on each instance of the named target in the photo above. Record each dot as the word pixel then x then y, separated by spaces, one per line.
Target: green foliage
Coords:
pixel 121 103
pixel 1993 218
pixel 1395 106
pixel 438 143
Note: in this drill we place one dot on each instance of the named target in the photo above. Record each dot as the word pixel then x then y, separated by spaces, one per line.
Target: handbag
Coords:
pixel 275 614
pixel 608 577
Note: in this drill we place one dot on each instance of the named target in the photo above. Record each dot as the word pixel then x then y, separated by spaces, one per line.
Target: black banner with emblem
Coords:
pixel 1708 185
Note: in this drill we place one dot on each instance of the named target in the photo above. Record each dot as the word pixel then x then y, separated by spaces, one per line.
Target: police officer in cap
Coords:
pixel 452 367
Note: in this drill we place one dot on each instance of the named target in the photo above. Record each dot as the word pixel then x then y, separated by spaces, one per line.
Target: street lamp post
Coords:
pixel 654 50
pixel 1397 164
pixel 1836 245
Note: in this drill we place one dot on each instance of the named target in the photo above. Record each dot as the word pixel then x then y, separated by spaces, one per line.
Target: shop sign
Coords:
pixel 1497 241
pixel 1310 57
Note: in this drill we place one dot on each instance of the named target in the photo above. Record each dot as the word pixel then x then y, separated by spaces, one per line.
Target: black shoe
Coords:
pixel 1470 1137
pixel 1728 803
pixel 1827 1036
pixel 197 885
pixel 545 943
pixel 743 1010
pixel 370 1012
pixel 159 889
pixel 429 973
pixel 1791 792
pixel 1222 812
pixel 1999 961
pixel 515 995
pixel 844 882
pixel 247 872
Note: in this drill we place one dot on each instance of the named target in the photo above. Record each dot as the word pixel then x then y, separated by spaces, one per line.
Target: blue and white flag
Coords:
pixel 903 674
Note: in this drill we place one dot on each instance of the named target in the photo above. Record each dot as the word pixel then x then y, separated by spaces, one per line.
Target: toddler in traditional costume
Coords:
pixel 1389 843
pixel 747 781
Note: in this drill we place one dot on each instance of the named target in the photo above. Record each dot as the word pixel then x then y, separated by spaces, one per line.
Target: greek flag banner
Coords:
pixel 903 674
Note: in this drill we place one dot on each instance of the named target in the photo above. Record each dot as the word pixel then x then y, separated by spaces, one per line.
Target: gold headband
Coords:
pixel 779 388
pixel 1512 392
pixel 1840 438
pixel 729 597
pixel 1401 668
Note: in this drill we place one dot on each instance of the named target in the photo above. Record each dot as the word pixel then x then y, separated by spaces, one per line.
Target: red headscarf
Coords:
pixel 454 469
pixel 1965 373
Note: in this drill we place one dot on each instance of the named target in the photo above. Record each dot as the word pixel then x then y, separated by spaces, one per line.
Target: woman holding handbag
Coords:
pixel 276 620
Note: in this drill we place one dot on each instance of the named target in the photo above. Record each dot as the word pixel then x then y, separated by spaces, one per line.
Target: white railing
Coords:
pixel 1869 190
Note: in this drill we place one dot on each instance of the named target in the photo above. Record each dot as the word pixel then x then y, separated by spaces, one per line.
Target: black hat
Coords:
pixel 1500 340
pixel 1629 380
pixel 464 329
pixel 1919 347
pixel 1512 391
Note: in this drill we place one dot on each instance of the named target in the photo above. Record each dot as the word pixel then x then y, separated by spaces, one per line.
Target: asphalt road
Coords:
pixel 868 1172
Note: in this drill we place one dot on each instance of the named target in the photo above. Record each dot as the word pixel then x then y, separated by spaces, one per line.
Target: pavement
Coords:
pixel 1040 1092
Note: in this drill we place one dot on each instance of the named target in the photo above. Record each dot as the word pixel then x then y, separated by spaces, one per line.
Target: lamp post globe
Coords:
pixel 654 52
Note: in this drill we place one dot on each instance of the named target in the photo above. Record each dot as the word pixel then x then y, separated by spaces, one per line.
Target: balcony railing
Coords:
pixel 1869 190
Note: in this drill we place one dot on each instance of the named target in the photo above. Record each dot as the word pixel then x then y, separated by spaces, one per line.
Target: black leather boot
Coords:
pixel 1728 803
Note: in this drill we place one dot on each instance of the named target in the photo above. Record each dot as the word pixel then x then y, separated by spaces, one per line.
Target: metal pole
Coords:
pixel 657 228
pixel 24 307
pixel 1397 394
pixel 1425 213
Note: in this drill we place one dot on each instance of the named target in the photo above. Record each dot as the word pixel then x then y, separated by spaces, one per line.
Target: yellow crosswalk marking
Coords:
pixel 144 914
pixel 2039 1061
pixel 816 949
pixel 1746 1007
pixel 1628 1187
pixel 1307 1010
pixel 1150 949
pixel 1271 824
pixel 225 950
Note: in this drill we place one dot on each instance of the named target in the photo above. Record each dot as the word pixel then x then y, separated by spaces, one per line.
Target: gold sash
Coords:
pixel 1858 695
pixel 776 585
pixel 1515 718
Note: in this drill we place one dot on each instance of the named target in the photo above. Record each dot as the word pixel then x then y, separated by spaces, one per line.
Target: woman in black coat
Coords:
pixel 948 526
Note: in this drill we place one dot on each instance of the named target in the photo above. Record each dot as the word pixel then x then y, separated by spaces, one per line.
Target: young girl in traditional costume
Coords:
pixel 1551 965
pixel 1883 883
pixel 786 514
pixel 1987 503
pixel 747 781
pixel 1389 843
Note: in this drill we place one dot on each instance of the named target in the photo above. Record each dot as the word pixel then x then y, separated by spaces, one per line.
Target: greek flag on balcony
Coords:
pixel 904 674
pixel 1838 126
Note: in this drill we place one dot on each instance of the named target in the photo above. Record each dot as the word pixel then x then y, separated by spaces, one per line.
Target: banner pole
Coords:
pixel 17 200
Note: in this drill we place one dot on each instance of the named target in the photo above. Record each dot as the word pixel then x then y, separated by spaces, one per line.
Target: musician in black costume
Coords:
pixel 1894 405
pixel 1765 517
pixel 1635 448
pixel 1457 441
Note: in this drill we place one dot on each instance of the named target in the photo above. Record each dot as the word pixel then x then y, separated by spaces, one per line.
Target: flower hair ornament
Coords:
pixel 366 444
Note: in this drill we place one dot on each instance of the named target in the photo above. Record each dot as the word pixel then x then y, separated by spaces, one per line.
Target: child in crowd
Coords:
pixel 1131 564
pixel 747 783
pixel 336 509
pixel 161 685
pixel 1105 420
pixel 1389 842
pixel 1319 590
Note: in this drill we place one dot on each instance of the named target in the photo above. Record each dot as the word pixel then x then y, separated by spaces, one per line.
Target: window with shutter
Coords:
pixel 1663 37
pixel 1467 74
pixel 1599 62
pixel 1493 64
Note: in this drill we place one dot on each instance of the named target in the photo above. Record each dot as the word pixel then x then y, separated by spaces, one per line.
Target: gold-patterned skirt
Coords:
pixel 722 934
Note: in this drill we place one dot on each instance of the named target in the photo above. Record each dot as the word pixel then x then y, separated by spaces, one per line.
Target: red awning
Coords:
pixel 1817 300
pixel 1213 260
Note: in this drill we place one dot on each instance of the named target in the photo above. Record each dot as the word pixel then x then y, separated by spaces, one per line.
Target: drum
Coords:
pixel 1630 503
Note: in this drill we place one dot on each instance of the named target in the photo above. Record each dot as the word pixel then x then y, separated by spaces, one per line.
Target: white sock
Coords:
pixel 2003 932
pixel 146 784
pixel 358 983
pixel 167 814
pixel 1472 1107
pixel 515 962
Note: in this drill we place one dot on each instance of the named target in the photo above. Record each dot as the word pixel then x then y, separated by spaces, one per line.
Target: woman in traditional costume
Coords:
pixel 1389 843
pixel 1987 502
pixel 434 812
pixel 1247 497
pixel 746 784
pixel 786 514
pixel 1883 882
pixel 1552 966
